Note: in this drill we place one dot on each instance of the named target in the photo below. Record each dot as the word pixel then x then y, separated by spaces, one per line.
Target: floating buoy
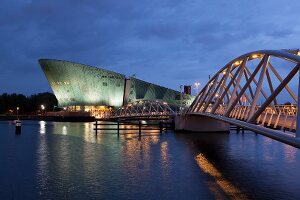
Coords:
pixel 18 126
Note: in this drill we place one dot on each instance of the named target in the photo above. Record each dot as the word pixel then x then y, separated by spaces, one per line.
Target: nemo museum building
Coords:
pixel 79 87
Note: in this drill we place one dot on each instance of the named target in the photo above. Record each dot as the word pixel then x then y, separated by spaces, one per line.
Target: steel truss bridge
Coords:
pixel 145 109
pixel 255 91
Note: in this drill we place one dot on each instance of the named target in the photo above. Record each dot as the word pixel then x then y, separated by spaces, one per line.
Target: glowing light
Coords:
pixel 254 56
pixel 298 53
pixel 224 72
pixel 101 107
pixel 217 95
pixel 236 63
pixel 42 107
pixel 220 180
pixel 197 86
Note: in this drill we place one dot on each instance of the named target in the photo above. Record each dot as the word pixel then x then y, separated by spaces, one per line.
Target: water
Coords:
pixel 52 160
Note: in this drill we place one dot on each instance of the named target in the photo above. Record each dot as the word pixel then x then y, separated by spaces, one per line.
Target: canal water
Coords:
pixel 55 160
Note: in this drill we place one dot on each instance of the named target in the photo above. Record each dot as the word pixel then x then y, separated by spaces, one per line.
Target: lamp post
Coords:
pixel 180 99
pixel 18 123
pixel 197 86
pixel 18 113
pixel 43 108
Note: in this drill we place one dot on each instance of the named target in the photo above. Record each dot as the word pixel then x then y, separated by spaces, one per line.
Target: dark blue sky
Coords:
pixel 168 42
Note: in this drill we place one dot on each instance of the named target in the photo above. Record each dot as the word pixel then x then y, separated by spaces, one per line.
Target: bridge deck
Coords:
pixel 281 136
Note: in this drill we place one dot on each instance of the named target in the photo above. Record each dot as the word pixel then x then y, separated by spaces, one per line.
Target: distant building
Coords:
pixel 85 88
pixel 187 89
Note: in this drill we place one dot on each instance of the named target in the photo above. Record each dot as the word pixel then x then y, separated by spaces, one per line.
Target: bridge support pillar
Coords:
pixel 197 123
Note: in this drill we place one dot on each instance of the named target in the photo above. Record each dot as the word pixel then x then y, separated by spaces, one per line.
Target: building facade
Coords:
pixel 86 88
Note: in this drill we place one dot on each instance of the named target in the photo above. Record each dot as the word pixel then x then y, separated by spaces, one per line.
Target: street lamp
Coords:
pixel 18 113
pixel 197 86
pixel 43 108
pixel 180 98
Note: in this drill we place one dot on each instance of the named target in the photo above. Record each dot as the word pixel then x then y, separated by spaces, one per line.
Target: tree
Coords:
pixel 27 104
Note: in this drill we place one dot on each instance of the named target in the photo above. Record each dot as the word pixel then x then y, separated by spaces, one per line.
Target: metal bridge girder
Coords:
pixel 145 108
pixel 238 96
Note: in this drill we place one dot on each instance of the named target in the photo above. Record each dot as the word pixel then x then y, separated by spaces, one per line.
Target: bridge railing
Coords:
pixel 275 116
pixel 142 108
pixel 142 114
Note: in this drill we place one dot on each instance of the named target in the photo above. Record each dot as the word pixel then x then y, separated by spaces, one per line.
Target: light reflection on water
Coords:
pixel 64 130
pixel 67 161
pixel 42 158
pixel 42 127
pixel 226 186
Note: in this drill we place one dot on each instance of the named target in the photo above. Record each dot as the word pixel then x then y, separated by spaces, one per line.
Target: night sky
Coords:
pixel 167 42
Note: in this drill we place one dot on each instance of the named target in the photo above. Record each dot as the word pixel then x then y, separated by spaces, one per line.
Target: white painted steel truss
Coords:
pixel 145 108
pixel 248 88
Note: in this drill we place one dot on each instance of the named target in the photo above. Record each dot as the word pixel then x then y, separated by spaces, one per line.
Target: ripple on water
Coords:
pixel 52 160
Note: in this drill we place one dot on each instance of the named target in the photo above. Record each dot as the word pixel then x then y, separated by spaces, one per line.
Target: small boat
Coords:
pixel 18 126
pixel 18 122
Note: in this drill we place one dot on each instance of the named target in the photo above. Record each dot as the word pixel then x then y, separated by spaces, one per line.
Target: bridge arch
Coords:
pixel 249 87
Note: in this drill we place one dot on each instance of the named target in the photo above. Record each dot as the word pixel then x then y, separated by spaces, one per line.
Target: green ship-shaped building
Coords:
pixel 87 88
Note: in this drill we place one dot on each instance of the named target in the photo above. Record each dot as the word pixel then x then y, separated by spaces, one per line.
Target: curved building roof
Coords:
pixel 78 84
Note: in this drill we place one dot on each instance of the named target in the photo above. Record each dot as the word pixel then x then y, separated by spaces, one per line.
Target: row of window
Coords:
pixel 60 83
pixel 116 77
pixel 68 83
